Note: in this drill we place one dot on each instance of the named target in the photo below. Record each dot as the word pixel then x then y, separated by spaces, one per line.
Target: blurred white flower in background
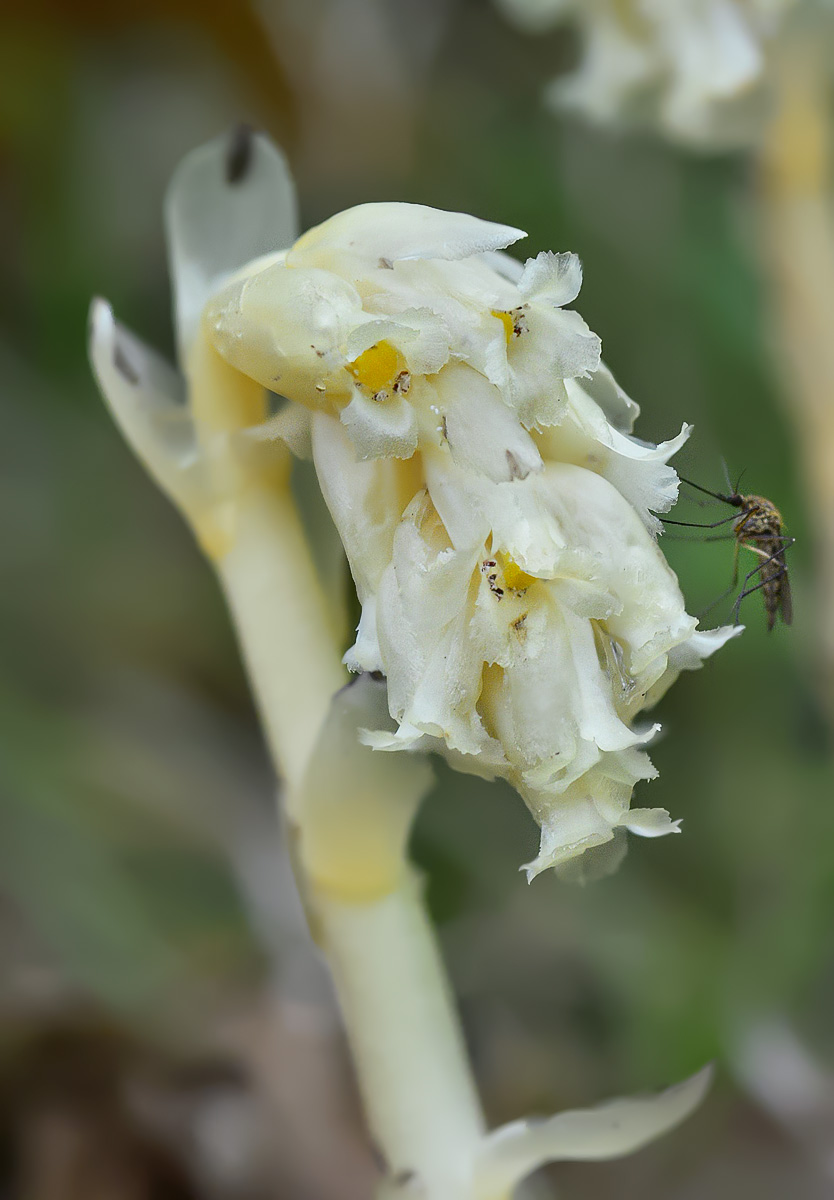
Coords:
pixel 696 68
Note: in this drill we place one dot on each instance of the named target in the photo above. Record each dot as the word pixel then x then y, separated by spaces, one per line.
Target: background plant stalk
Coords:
pixel 798 249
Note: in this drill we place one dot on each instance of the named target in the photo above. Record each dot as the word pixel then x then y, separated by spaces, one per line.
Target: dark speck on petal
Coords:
pixel 239 153
pixel 123 365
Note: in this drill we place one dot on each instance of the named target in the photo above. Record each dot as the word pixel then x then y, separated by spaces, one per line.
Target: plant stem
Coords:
pixel 414 1076
pixel 283 626
pixel 798 243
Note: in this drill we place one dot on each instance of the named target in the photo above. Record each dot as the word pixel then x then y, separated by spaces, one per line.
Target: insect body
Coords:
pixel 759 528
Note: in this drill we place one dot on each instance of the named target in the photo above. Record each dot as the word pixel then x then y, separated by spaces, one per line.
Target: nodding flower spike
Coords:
pixel 458 414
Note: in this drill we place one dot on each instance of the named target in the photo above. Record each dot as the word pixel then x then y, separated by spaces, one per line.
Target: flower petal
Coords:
pixel 366 500
pixel 484 435
pixel 505 265
pixel 589 811
pixel 365 654
pixel 386 233
pixel 598 862
pixel 610 1130
pixel 638 470
pixel 557 346
pixel 419 333
pixel 291 425
pixel 380 429
pixel 146 397
pixel 650 822
pixel 618 409
pixel 424 606
pixel 287 330
pixel 689 655
pixel 229 202
pixel 551 278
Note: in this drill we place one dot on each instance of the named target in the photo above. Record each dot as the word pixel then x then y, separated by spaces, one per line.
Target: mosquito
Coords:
pixel 757 526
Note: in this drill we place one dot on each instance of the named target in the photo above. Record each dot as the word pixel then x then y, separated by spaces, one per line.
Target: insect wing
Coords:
pixel 785 601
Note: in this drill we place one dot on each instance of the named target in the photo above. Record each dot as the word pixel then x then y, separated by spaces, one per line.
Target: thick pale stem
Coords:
pixel 798 231
pixel 255 538
pixel 411 1061
pixel 283 625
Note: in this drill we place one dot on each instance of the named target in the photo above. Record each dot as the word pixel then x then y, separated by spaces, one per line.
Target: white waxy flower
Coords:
pixel 524 628
pixel 695 67
pixel 498 519
pixel 380 314
pixel 478 462
pixel 497 514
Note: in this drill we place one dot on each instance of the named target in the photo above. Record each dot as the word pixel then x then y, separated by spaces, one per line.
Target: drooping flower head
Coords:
pixel 478 463
pixel 695 68
pixel 392 317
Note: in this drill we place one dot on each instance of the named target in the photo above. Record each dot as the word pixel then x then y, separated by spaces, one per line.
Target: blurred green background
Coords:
pixel 165 1025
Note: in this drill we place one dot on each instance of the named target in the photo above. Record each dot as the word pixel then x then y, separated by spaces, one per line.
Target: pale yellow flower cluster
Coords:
pixel 478 462
pixel 498 519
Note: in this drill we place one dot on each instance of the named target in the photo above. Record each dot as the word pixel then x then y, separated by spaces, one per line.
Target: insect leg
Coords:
pixel 763 554
pixel 698 541
pixel 706 491
pixel 745 591
pixel 734 583
pixel 717 600
pixel 697 525
pixel 762 583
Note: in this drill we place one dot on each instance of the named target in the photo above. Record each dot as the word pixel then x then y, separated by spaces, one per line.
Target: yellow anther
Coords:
pixel 514 321
pixel 514 577
pixel 503 575
pixel 378 369
pixel 506 320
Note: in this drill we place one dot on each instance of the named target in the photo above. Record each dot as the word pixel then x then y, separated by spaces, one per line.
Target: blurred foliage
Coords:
pixel 134 788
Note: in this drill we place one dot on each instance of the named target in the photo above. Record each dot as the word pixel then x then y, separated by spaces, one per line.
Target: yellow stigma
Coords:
pixel 381 369
pixel 507 321
pixel 503 575
pixel 514 321
pixel 514 577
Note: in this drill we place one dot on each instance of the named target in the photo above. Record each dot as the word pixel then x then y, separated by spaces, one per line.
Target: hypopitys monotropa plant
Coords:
pixel 517 614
